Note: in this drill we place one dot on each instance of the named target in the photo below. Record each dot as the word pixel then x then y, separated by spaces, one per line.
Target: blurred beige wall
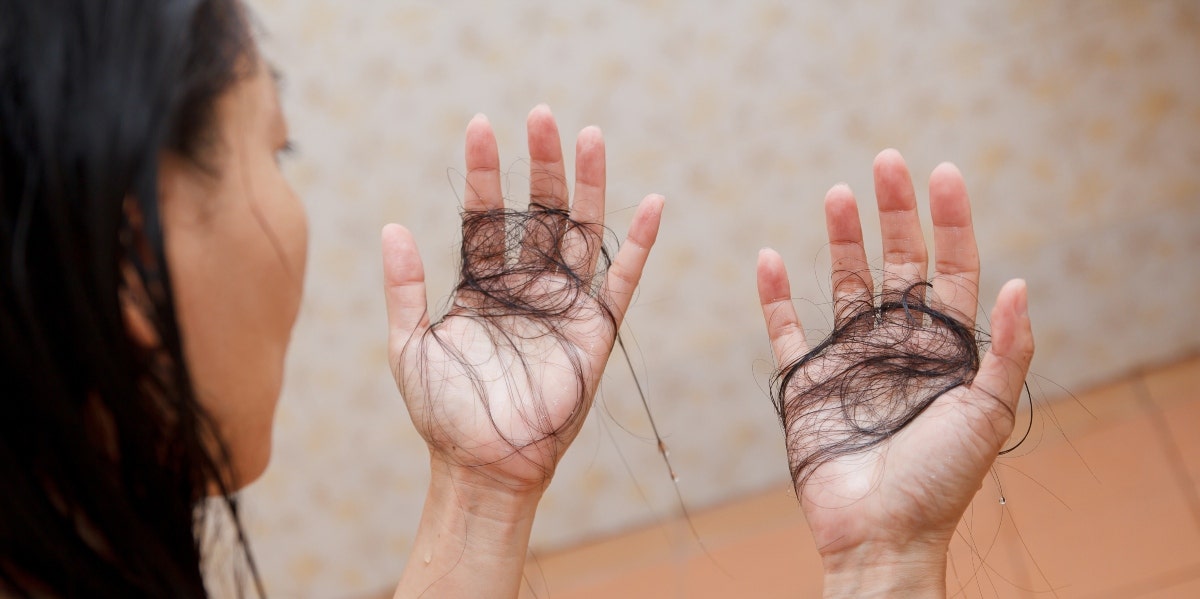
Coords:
pixel 1077 125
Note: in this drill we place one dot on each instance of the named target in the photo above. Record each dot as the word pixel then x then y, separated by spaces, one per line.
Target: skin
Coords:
pixel 474 532
pixel 236 244
pixel 883 520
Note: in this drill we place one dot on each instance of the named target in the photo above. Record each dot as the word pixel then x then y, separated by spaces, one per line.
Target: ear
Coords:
pixel 135 304
pixel 135 301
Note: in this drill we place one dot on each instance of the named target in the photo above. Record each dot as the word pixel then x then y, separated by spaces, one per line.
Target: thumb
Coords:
pixel 1002 373
pixel 403 289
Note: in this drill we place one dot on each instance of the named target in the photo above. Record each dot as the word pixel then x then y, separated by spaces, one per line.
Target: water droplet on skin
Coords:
pixel 1002 502
pixel 428 557
pixel 675 477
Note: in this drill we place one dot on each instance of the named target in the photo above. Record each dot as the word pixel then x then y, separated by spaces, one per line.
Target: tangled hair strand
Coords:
pixel 895 354
pixel 529 279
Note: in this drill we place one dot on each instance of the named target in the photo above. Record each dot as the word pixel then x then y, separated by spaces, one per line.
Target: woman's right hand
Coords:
pixel 893 423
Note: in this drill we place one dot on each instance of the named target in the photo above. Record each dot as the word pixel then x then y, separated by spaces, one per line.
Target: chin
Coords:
pixel 249 468
pixel 248 461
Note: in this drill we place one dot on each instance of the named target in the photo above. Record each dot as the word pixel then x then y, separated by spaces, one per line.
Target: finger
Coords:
pixel 483 167
pixel 547 176
pixel 1002 373
pixel 904 256
pixel 543 232
pixel 626 270
pixel 775 296
pixel 582 245
pixel 956 255
pixel 851 276
pixel 404 290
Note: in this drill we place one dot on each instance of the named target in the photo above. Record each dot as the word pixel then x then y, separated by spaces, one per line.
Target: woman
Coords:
pixel 153 257
pixel 153 260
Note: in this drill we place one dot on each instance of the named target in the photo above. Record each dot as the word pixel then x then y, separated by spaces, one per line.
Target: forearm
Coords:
pixel 472 539
pixel 878 574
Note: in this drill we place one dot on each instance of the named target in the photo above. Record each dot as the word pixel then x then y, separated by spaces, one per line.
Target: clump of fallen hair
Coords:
pixel 513 264
pixel 530 282
pixel 888 358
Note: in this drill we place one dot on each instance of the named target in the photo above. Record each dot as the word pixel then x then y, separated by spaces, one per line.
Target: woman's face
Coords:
pixel 236 243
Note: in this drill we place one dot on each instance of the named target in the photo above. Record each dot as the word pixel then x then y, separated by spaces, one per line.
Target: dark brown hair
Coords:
pixel 105 453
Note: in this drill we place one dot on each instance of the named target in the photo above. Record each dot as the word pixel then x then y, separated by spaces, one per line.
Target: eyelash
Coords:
pixel 287 151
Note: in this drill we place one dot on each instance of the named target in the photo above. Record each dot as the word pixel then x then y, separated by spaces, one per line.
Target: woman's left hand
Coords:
pixel 499 387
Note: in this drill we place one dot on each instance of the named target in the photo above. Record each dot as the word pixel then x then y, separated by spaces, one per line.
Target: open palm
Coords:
pixel 893 422
pixel 502 383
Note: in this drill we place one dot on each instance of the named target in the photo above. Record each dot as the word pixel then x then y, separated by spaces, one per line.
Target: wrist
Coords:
pixel 872 571
pixel 473 537
pixel 478 497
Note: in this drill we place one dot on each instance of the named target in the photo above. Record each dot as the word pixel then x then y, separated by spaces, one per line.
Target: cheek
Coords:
pixel 299 241
pixel 276 295
pixel 273 242
pixel 278 248
pixel 288 224
pixel 238 273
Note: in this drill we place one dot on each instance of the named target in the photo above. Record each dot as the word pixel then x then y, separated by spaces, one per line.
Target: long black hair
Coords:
pixel 105 455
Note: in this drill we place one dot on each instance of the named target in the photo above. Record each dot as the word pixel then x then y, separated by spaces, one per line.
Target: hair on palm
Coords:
pixel 526 278
pixel 895 354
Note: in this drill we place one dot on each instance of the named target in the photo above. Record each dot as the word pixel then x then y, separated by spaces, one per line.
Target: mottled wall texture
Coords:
pixel 1077 125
